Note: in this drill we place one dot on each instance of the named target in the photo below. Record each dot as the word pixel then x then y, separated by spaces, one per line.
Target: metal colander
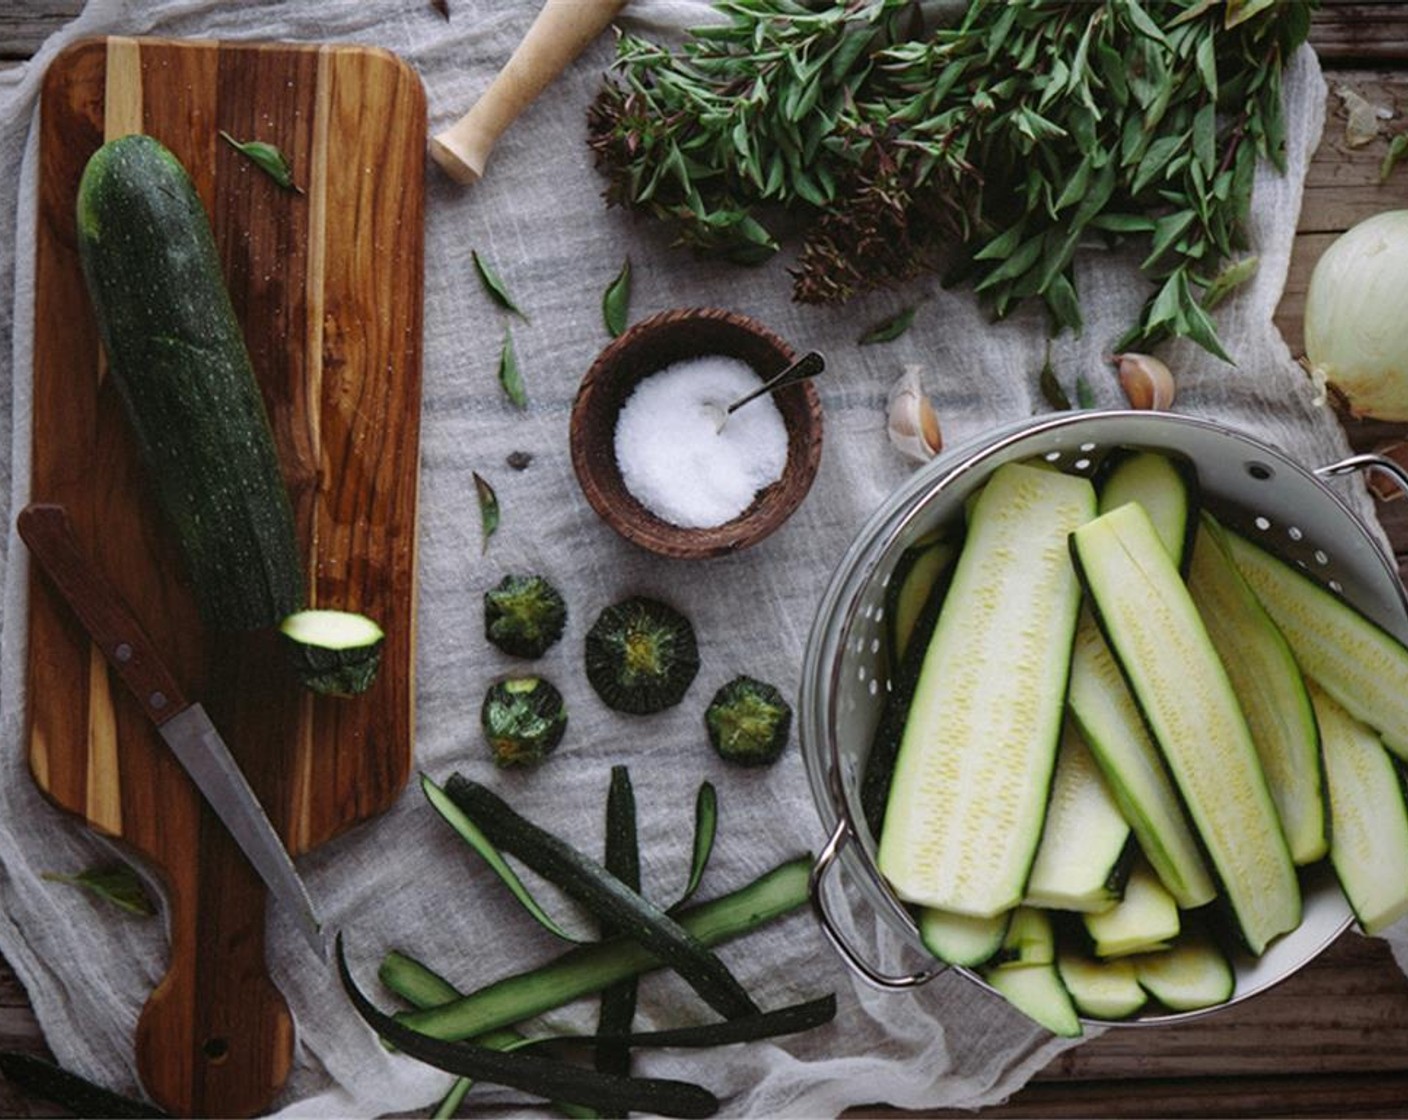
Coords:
pixel 1249 485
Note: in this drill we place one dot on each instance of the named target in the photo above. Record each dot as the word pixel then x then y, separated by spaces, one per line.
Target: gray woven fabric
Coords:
pixel 404 880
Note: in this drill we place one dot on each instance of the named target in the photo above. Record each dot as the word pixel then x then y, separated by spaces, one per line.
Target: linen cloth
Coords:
pixel 403 881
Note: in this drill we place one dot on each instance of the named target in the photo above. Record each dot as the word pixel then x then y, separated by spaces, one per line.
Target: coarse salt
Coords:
pixel 675 458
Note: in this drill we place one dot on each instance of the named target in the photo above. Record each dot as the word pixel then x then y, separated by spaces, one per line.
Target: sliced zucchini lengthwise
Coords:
pixel 1272 691
pixel 1154 630
pixel 917 572
pixel 179 361
pixel 1165 485
pixel 904 676
pixel 1106 712
pixel 968 798
pixel 1369 840
pixel 1351 657
pixel 1086 848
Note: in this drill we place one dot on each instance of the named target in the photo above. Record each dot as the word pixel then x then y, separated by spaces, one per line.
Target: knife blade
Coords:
pixel 183 724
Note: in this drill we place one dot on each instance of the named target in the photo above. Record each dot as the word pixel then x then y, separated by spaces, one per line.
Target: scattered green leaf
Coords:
pixel 494 285
pixel 510 376
pixel 488 507
pixel 889 329
pixel 1050 386
pixel 1396 147
pixel 616 301
pixel 117 883
pixel 267 158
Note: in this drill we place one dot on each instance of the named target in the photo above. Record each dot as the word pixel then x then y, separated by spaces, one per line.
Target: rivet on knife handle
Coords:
pixel 48 532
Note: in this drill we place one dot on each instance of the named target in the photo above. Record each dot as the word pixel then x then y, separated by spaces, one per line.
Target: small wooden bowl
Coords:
pixel 649 346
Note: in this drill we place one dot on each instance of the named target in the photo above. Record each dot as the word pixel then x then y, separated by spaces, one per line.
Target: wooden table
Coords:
pixel 1333 1039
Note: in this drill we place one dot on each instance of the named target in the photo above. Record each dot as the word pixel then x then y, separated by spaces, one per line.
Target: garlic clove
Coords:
pixel 1146 381
pixel 912 422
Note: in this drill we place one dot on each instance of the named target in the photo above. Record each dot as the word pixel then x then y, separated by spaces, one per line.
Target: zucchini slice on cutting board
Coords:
pixel 1154 630
pixel 968 797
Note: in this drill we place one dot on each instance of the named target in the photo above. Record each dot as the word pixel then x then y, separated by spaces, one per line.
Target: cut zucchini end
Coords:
pixel 1189 975
pixel 334 653
pixel 1036 990
pixel 1108 990
pixel 960 940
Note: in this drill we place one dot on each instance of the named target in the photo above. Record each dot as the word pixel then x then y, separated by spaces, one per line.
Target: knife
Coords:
pixel 182 723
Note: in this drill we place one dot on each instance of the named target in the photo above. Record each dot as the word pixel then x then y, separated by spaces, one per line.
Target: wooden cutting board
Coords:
pixel 327 283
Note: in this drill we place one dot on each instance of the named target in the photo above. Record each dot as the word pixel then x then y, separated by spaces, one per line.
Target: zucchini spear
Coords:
pixel 585 880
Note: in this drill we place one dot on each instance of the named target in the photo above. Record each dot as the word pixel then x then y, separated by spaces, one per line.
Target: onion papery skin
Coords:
pixel 1356 317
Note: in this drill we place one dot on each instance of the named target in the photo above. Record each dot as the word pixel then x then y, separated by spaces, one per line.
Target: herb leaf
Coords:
pixel 616 301
pixel 267 158
pixel 1012 136
pixel 117 883
pixel 494 285
pixel 887 330
pixel 510 376
pixel 488 507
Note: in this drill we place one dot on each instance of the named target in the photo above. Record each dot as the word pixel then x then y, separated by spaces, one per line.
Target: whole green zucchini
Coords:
pixel 179 362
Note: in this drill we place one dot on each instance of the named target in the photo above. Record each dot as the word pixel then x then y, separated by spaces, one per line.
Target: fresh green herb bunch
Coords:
pixel 1027 130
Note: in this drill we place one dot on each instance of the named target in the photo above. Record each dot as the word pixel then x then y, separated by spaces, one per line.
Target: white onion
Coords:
pixel 1356 317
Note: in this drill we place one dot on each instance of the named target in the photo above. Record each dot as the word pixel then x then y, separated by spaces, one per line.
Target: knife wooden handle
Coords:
pixel 48 532
pixel 561 31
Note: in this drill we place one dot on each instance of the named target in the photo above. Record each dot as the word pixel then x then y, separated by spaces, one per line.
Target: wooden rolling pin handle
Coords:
pixel 561 31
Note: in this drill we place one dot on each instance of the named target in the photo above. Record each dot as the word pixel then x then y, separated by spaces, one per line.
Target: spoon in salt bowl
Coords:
pixel 808 365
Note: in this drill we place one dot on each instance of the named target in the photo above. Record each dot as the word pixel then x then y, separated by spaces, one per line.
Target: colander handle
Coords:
pixel 840 837
pixel 1367 462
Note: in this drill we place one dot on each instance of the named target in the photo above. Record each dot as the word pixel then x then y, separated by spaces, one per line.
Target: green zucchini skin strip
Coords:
pixel 528 1072
pixel 77 1094
pixel 472 835
pixel 589 968
pixel 592 885
pixel 622 859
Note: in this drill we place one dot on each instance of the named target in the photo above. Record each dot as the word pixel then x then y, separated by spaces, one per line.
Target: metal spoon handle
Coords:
pixel 808 365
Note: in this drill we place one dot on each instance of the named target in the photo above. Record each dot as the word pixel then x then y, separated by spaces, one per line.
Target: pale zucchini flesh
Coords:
pixel 1102 989
pixel 1351 657
pixel 1085 845
pixel 1369 840
pixel 968 796
pixel 1154 630
pixel 1146 916
pixel 1192 973
pixel 1113 728
pixel 960 939
pixel 1037 991
pixel 1167 489
pixel 1270 687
